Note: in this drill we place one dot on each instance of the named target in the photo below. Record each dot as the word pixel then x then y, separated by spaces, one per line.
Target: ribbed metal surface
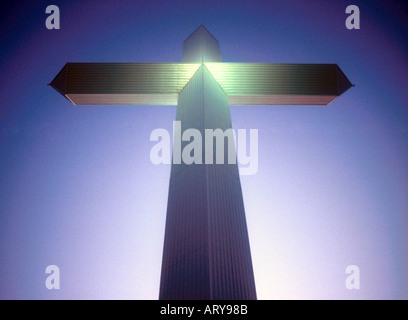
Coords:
pixel 270 83
pixel 275 99
pixel 169 99
pixel 160 83
pixel 206 250
pixel 123 83
pixel 185 266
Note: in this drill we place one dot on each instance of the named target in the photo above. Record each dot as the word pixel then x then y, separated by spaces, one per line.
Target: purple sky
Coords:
pixel 78 189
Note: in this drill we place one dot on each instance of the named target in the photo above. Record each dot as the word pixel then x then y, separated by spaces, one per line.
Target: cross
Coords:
pixel 206 252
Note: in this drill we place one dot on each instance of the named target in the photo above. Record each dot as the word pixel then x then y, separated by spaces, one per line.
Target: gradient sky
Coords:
pixel 78 189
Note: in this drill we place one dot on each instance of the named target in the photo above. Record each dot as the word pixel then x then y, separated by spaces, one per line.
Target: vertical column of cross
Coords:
pixel 206 249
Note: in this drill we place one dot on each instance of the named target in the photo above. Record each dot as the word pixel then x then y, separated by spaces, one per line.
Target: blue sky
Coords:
pixel 78 189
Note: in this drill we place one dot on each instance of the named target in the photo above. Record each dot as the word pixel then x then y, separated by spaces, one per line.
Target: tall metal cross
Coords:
pixel 206 252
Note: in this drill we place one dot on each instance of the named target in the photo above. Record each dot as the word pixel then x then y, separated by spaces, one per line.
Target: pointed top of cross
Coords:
pixel 201 30
pixel 201 46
